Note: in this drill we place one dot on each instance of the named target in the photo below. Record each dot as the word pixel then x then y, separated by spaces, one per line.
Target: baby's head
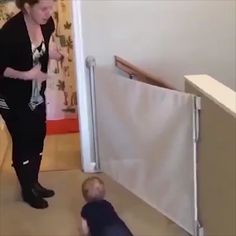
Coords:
pixel 93 189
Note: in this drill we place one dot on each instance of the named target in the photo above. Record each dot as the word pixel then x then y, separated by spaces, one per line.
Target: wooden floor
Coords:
pixel 61 152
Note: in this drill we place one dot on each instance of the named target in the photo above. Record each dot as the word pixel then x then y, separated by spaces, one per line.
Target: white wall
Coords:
pixel 167 38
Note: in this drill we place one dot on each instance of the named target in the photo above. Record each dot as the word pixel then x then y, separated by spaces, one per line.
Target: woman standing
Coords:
pixel 24 57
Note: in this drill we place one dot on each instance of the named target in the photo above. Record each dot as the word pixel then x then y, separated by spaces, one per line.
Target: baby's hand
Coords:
pixel 84 228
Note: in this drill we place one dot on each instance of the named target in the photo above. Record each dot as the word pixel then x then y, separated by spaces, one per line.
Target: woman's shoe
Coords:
pixel 43 192
pixel 34 200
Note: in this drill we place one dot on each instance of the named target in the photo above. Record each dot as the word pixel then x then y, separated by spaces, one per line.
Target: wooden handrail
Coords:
pixel 139 74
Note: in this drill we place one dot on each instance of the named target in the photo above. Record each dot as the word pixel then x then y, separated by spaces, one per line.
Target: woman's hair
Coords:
pixel 93 189
pixel 20 3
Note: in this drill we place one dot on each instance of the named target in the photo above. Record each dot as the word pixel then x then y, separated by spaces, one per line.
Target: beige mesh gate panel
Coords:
pixel 145 139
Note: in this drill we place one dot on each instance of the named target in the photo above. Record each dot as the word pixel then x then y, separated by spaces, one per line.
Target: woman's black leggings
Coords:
pixel 27 129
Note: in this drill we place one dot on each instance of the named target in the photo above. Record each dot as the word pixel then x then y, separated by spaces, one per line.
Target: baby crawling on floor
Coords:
pixel 99 218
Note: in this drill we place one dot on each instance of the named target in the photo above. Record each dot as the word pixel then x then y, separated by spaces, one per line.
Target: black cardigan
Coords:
pixel 16 53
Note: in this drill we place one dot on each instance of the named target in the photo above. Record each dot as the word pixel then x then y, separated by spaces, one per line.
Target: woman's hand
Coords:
pixel 35 74
pixel 56 54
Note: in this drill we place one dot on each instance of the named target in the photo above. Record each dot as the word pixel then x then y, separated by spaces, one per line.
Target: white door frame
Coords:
pixel 83 93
